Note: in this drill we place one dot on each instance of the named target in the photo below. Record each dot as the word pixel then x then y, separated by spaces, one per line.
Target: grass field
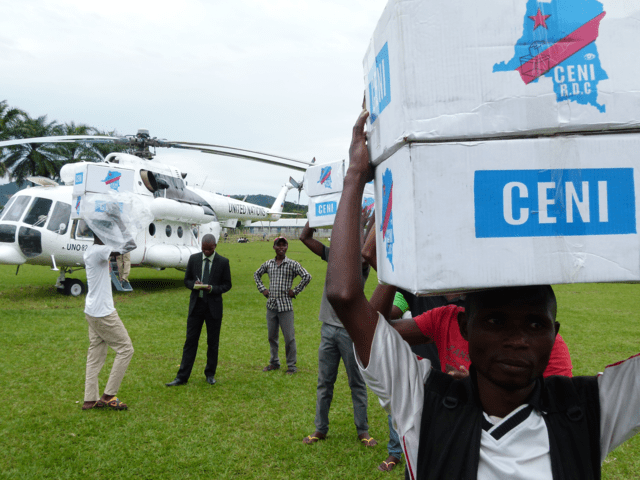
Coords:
pixel 249 425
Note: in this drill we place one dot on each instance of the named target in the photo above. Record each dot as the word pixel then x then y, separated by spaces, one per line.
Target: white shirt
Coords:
pixel 99 301
pixel 397 377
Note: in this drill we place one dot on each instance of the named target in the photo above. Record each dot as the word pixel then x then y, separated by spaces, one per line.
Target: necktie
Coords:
pixel 205 275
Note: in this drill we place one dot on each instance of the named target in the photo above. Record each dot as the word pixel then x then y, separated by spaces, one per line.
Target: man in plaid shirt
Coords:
pixel 281 271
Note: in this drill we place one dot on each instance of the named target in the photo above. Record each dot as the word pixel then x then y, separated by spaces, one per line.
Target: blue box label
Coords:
pixel 379 84
pixel 79 177
pixel 326 208
pixel 551 203
pixel 101 206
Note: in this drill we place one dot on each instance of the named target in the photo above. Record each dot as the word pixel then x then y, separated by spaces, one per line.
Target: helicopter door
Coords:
pixel 59 222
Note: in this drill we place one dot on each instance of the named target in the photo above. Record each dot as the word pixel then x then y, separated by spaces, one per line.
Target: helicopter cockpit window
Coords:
pixel 59 222
pixel 4 211
pixel 83 231
pixel 39 212
pixel 7 233
pixel 17 209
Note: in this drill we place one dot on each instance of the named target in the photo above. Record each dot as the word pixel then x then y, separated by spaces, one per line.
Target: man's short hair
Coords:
pixel 209 238
pixel 498 296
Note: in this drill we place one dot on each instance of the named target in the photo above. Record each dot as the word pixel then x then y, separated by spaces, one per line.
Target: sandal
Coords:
pixel 367 440
pixel 114 404
pixel 96 404
pixel 313 438
pixel 389 464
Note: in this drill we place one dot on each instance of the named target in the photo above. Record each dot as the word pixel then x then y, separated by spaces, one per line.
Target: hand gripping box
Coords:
pixel 459 69
pixel 544 210
pixel 324 179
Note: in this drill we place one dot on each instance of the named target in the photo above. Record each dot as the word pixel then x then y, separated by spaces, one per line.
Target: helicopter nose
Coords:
pixel 10 255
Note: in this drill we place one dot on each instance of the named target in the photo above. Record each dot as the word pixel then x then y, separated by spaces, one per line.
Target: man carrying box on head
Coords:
pixel 503 420
pixel 105 327
pixel 281 271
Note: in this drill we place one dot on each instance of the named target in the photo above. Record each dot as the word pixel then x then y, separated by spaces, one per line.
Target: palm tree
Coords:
pixel 28 159
pixel 80 151
pixel 104 149
pixel 9 117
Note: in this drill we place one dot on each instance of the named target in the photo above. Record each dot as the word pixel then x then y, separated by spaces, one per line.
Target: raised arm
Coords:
pixel 383 297
pixel 344 287
pixel 312 244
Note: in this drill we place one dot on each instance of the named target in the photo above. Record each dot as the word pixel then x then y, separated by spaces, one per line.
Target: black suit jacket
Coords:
pixel 219 279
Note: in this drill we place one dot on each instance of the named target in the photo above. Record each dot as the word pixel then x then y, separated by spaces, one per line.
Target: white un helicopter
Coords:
pixel 37 225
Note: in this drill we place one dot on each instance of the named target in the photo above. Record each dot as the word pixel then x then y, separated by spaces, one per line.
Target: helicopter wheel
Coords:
pixel 74 287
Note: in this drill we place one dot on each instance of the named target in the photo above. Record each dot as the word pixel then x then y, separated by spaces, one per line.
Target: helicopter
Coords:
pixel 40 225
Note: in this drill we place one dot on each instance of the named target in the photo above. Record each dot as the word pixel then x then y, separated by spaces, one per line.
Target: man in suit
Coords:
pixel 205 306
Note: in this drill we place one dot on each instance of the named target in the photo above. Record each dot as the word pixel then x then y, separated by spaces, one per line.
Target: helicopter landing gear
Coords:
pixel 70 286
pixel 74 287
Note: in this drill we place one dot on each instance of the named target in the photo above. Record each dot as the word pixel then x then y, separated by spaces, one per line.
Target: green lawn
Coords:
pixel 249 425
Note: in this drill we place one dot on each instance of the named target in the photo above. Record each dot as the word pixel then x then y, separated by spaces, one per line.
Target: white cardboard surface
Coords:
pixel 463 70
pixel 509 212
pixel 98 178
pixel 322 209
pixel 324 179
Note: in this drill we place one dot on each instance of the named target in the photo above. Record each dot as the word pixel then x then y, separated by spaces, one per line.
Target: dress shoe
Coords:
pixel 211 380
pixel 175 383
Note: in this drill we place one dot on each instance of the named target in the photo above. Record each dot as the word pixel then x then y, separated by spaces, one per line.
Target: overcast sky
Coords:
pixel 279 76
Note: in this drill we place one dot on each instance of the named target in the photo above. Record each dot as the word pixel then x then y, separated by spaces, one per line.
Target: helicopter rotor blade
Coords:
pixel 271 161
pixel 294 183
pixel 65 139
pixel 180 144
pixel 139 144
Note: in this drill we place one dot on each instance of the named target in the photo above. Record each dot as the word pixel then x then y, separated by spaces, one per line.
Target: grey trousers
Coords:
pixel 335 343
pixel 285 321
pixel 105 332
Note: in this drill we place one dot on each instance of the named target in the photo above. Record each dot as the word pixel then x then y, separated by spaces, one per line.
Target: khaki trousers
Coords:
pixel 105 332
pixel 124 265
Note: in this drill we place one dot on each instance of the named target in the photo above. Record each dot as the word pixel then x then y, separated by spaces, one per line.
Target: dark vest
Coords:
pixel 452 421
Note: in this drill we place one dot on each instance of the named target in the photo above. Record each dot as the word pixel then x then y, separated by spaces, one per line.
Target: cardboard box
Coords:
pixel 324 179
pixel 322 209
pixel 464 70
pixel 91 204
pixel 510 212
pixel 101 178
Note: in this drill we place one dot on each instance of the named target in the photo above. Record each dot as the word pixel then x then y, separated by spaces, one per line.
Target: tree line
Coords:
pixel 44 159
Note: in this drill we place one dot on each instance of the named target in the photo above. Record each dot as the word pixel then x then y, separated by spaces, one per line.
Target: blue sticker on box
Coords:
pixel 379 84
pixel 551 203
pixel 79 178
pixel 559 41
pixel 326 208
pixel 101 206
